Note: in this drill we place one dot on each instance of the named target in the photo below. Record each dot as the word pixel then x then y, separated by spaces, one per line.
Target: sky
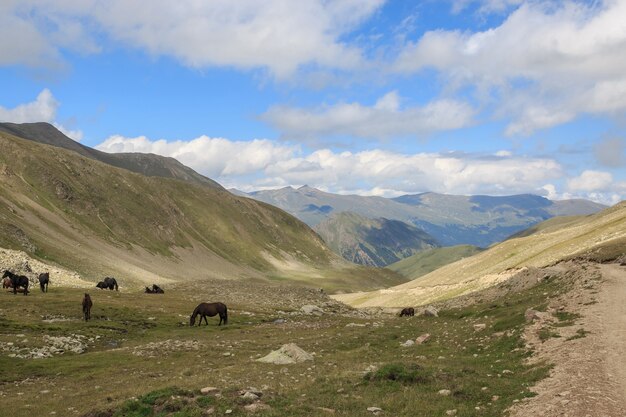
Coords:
pixel 368 97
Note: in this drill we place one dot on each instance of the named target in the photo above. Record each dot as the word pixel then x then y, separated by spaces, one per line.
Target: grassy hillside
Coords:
pixel 373 242
pixel 427 261
pixel 499 262
pixel 101 220
pixel 147 164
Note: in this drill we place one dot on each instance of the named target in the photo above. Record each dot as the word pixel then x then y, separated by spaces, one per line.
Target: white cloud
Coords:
pixel 382 120
pixel 590 181
pixel 43 109
pixel 279 35
pixel 265 164
pixel 548 62
pixel 215 157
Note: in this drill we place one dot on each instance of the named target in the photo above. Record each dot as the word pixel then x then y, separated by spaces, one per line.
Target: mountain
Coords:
pixel 450 219
pixel 427 261
pixel 372 242
pixel 98 219
pixel 600 236
pixel 147 164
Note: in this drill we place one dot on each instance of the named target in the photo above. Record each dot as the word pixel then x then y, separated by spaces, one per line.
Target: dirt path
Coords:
pixel 589 376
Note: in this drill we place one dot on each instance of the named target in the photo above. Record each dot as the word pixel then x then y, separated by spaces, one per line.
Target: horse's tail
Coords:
pixel 225 314
pixel 116 287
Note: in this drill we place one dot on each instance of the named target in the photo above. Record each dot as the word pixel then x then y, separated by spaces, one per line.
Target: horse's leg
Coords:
pixel 206 322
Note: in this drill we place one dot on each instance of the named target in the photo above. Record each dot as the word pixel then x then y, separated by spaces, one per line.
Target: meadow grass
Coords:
pixel 358 361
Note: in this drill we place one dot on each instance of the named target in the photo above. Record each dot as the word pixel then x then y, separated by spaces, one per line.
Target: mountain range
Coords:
pixel 601 236
pixel 449 219
pixel 145 218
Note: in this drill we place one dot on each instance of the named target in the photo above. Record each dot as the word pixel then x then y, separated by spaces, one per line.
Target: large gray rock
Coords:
pixel 430 311
pixel 312 309
pixel 287 354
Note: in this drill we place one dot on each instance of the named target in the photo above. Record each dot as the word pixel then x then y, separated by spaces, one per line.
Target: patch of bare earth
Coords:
pixel 589 357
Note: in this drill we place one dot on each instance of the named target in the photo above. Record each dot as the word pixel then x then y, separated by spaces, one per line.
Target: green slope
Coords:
pixel 424 262
pixel 147 164
pixel 373 242
pixel 98 219
pixel 602 233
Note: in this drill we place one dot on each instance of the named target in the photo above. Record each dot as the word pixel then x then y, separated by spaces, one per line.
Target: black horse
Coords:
pixel 209 309
pixel 44 280
pixel 407 311
pixel 87 304
pixel 109 283
pixel 154 290
pixel 17 281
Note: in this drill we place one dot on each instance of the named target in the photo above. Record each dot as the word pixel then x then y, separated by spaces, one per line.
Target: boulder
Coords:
pixel 422 339
pixel 480 327
pixel 430 311
pixel 311 309
pixel 287 354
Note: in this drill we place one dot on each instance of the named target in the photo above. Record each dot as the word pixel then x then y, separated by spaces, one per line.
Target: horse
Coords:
pixel 87 307
pixel 407 311
pixel 154 290
pixel 17 281
pixel 109 283
pixel 6 283
pixel 44 280
pixel 209 309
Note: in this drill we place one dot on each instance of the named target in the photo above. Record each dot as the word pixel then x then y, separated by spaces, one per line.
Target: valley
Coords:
pixel 497 330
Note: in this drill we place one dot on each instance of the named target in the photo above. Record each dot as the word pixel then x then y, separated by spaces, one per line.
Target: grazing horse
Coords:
pixel 17 281
pixel 87 307
pixel 209 309
pixel 44 280
pixel 407 311
pixel 109 283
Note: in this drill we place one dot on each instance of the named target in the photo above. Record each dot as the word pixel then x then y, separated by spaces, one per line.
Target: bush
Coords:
pixel 398 372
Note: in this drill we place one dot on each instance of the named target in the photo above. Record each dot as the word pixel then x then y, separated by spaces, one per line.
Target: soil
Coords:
pixel 589 374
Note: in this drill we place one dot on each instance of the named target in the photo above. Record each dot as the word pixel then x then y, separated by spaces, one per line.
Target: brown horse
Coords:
pixel 407 311
pixel 209 309
pixel 44 280
pixel 17 281
pixel 87 307
pixel 6 283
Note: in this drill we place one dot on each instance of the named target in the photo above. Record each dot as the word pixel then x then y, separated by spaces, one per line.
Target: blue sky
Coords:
pixel 357 96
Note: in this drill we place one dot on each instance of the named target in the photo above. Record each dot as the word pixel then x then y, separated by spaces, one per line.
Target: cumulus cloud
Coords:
pixel 42 109
pixel 386 118
pixel 215 157
pixel 548 62
pixel 278 35
pixel 265 164
pixel 590 181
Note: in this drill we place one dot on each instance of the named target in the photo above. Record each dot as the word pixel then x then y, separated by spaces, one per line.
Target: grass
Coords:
pixel 359 361
pixel 580 333
pixel 424 262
